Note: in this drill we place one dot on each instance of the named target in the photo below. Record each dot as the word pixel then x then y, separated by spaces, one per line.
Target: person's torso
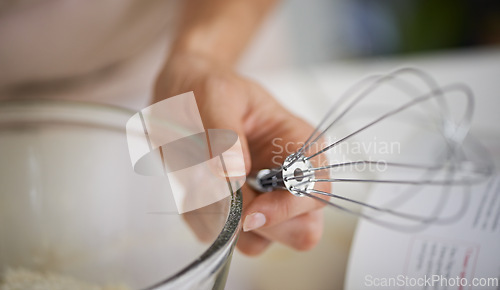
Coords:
pixel 81 49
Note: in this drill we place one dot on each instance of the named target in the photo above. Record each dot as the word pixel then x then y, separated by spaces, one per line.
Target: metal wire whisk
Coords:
pixel 429 106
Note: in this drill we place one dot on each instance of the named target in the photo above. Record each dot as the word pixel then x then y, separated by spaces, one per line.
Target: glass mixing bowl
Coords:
pixel 72 210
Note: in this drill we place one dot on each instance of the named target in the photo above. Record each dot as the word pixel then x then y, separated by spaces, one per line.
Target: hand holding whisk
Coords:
pixel 408 108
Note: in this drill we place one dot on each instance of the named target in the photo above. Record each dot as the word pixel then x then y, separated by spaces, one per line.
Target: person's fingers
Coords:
pixel 269 151
pixel 301 233
pixel 252 244
pixel 269 209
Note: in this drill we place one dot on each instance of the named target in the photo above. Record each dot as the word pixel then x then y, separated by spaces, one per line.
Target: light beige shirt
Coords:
pixel 105 51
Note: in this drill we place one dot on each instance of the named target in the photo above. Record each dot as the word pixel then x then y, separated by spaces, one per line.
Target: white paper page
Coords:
pixel 458 255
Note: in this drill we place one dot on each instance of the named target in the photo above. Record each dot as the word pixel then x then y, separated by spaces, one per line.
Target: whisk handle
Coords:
pixel 267 180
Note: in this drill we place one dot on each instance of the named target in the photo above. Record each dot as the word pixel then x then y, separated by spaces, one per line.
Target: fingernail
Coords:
pixel 254 221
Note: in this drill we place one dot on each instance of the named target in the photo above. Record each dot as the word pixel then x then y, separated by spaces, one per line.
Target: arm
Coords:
pixel 219 29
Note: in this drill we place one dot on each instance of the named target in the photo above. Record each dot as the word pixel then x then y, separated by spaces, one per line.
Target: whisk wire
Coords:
pixel 379 79
pixel 385 116
pixel 451 167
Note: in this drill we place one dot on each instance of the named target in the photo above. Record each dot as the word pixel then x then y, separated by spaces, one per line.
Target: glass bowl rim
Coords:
pixel 230 230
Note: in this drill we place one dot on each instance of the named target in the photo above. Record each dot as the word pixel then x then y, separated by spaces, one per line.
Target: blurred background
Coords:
pixel 317 31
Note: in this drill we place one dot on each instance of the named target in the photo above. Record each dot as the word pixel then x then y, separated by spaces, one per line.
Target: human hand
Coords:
pixel 228 101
